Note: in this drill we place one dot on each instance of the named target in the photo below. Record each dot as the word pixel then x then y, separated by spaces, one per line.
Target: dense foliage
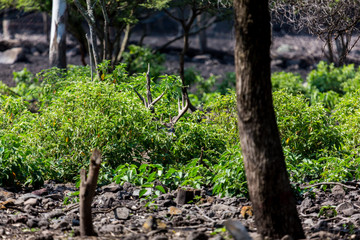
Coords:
pixel 49 124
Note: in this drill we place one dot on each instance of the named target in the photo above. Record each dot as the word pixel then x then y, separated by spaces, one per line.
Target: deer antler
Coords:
pixel 181 109
pixel 149 103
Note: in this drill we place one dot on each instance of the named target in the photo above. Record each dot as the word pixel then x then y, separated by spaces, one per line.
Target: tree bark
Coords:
pixel 269 188
pixel 57 52
pixel 87 192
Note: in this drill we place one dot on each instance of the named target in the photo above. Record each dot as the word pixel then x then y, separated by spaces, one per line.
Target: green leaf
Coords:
pixel 142 192
pixel 160 188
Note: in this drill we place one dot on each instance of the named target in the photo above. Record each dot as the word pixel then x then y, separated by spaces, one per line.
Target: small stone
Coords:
pixel 31 202
pixel 223 207
pixel 54 214
pixel 309 221
pixel 43 223
pixel 2 231
pixel 31 223
pixel 174 211
pixel 122 213
pixel 338 192
pixel 113 187
pixel 113 228
pixel 63 225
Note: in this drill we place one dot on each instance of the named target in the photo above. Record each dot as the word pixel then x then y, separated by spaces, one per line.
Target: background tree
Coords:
pixel 57 52
pixel 269 188
pixel 185 13
pixel 333 21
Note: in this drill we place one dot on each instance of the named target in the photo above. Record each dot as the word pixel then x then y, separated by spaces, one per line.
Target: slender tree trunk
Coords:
pixel 6 26
pixel 270 192
pixel 202 34
pixel 57 53
pixel 45 18
pixel 87 193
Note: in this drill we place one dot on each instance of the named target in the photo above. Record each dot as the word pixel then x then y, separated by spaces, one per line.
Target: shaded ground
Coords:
pixel 53 213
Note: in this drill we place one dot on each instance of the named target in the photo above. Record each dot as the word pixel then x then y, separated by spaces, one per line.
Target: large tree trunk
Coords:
pixel 57 53
pixel 270 192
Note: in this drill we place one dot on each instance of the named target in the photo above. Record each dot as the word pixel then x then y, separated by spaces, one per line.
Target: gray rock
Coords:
pixel 106 200
pixel 345 208
pixel 122 213
pixel 12 56
pixel 63 225
pixel 223 207
pixel 309 222
pixel 118 228
pixel 54 214
pixel 306 203
pixel 43 223
pixel 31 202
pixel 25 197
pixel 32 223
pixel 113 187
pixel 338 192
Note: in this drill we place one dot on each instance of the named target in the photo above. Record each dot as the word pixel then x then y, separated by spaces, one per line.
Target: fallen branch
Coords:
pixel 204 215
pixel 328 183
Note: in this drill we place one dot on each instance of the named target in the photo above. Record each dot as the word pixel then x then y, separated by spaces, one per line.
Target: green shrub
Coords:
pixel 328 77
pixel 291 82
pixel 305 130
pixel 138 58
pixel 347 116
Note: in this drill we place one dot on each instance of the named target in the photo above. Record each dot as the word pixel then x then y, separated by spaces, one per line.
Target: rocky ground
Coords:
pixel 52 212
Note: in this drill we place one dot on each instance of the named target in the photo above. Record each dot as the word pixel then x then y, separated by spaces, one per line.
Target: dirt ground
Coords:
pixel 289 53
